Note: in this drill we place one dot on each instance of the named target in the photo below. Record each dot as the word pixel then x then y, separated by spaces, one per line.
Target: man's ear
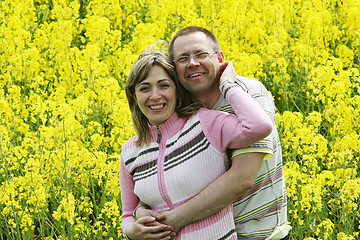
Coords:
pixel 220 56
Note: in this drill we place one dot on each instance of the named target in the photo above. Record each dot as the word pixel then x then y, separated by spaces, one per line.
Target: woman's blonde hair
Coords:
pixel 138 73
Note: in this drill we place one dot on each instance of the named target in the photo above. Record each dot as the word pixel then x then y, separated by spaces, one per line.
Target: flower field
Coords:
pixel 64 115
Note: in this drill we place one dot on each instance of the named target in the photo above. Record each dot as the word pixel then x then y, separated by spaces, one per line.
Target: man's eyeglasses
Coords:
pixel 201 56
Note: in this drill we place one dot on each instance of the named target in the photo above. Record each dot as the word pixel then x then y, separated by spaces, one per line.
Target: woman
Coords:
pixel 179 148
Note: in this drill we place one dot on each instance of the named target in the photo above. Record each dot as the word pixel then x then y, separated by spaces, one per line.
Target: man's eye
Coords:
pixel 182 59
pixel 202 55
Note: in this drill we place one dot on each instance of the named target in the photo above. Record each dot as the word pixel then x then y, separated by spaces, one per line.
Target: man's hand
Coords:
pixel 144 228
pixel 142 212
pixel 173 219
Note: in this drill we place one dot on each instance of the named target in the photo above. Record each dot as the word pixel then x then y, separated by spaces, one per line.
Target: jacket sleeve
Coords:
pixel 247 126
pixel 128 198
pixel 262 96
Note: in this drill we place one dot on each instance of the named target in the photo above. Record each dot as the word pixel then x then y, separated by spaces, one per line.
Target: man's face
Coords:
pixel 200 76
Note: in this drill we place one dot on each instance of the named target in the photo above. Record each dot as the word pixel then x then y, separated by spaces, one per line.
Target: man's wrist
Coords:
pixel 179 216
pixel 139 206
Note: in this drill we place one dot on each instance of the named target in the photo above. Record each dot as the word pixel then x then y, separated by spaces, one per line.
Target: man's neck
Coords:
pixel 209 99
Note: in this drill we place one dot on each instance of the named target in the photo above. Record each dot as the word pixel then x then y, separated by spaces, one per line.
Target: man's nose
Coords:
pixel 193 61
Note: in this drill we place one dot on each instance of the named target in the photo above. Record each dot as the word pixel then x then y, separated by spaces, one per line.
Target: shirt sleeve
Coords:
pixel 267 151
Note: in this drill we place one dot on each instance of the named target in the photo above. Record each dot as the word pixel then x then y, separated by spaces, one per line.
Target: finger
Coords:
pixel 172 235
pixel 145 220
pixel 166 238
pixel 162 235
pixel 157 228
pixel 229 67
pixel 154 223
pixel 164 226
pixel 223 66
pixel 142 212
pixel 158 215
pixel 168 227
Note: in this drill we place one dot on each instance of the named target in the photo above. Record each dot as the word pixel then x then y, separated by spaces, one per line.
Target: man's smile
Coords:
pixel 195 75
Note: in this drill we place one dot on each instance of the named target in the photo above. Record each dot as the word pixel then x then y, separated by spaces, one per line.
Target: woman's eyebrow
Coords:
pixel 164 80
pixel 143 83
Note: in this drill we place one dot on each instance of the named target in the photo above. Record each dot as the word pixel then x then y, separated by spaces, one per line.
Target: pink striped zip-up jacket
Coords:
pixel 184 156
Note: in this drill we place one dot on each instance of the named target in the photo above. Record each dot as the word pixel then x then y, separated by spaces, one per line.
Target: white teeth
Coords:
pixel 157 106
pixel 196 74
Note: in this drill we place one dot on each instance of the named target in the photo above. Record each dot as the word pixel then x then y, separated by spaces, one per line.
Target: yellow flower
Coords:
pixel 343 236
pixel 66 209
pixel 96 140
pixel 325 228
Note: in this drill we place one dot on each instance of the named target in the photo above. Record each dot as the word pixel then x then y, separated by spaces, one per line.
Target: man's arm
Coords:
pixel 218 194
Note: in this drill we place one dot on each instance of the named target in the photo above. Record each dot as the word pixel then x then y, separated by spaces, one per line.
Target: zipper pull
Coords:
pixel 159 135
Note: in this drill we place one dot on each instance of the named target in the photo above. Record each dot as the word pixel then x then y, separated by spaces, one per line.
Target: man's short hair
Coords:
pixel 189 30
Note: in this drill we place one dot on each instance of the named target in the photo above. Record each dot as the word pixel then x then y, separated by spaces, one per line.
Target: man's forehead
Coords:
pixel 190 50
pixel 191 43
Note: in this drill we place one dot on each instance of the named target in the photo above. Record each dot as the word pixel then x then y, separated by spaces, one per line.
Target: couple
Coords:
pixel 175 176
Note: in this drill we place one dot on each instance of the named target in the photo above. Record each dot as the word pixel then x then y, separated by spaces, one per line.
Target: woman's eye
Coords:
pixel 143 89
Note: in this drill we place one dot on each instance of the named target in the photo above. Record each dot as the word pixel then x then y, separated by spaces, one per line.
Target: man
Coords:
pixel 255 182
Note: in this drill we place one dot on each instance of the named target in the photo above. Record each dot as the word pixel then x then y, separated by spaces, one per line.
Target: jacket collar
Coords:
pixel 168 128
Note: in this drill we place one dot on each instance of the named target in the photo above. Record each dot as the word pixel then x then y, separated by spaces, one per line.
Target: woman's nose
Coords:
pixel 155 95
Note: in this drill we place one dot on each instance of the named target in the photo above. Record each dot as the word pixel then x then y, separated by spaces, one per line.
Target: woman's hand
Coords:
pixel 228 72
pixel 148 228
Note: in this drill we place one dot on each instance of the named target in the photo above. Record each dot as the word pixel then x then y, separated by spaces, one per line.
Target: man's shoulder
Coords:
pixel 250 84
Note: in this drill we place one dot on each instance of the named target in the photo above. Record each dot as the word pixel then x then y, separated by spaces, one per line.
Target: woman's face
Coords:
pixel 156 96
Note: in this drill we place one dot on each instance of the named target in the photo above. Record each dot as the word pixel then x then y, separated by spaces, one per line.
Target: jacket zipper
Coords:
pixel 159 135
pixel 160 170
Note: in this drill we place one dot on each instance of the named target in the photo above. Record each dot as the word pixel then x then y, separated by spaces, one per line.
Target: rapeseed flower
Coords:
pixel 64 116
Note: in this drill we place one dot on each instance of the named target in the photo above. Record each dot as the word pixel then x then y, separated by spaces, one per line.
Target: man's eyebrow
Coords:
pixel 195 52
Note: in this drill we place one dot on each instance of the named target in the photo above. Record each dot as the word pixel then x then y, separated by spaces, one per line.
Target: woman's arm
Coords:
pixel 248 126
pixel 128 198
pixel 146 227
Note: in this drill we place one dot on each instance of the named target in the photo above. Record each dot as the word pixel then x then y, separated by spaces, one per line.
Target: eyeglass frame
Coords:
pixel 195 57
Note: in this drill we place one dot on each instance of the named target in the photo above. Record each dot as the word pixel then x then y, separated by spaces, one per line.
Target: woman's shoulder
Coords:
pixel 131 143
